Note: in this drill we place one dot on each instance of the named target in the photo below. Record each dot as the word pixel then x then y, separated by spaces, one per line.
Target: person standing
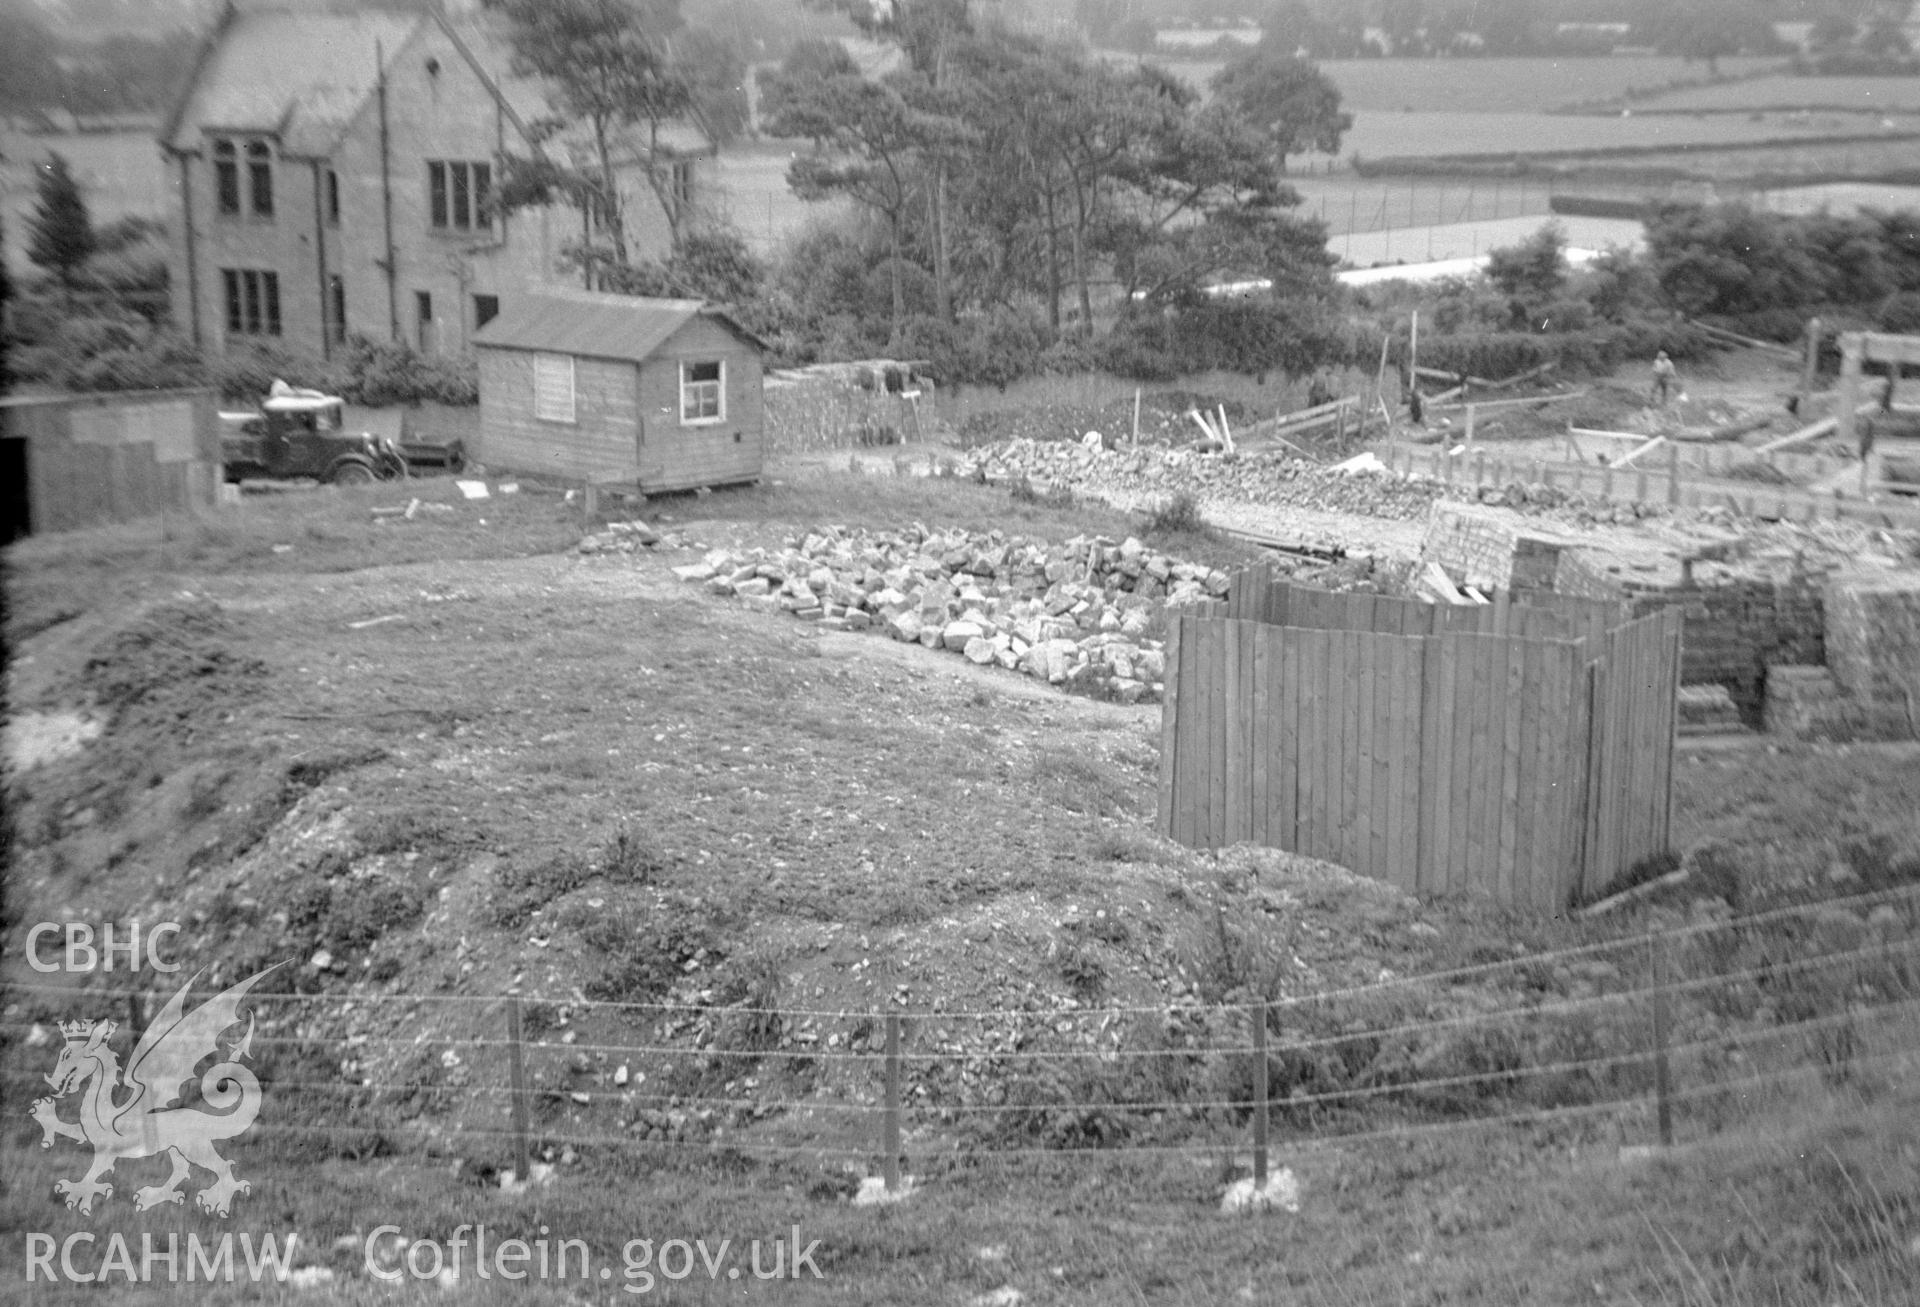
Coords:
pixel 1666 380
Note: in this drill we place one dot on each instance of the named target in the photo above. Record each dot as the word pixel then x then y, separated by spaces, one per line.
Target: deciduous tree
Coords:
pixel 607 67
pixel 874 138
pixel 1290 100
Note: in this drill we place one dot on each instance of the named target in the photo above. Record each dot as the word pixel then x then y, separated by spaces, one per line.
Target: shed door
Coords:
pixel 649 451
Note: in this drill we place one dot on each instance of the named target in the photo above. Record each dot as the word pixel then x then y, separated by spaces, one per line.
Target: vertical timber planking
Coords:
pixel 1286 791
pixel 1169 786
pixel 1235 781
pixel 1363 673
pixel 1260 638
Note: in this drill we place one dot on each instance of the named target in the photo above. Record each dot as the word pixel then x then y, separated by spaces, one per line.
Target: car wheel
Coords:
pixel 352 474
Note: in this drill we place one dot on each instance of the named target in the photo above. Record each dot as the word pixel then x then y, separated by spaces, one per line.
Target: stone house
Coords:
pixel 332 169
pixel 613 389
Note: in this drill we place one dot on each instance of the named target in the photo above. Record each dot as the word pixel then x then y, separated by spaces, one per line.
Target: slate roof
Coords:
pixel 305 76
pixel 594 325
pixel 301 75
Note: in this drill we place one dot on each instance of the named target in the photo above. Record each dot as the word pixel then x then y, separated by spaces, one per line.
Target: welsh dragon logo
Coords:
pixel 138 1114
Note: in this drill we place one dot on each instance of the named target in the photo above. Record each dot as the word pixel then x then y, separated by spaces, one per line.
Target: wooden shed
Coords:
pixel 612 389
pixel 72 461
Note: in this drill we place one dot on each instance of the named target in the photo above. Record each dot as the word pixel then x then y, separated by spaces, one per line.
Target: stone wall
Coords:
pixel 1873 638
pixel 1734 631
pixel 1484 550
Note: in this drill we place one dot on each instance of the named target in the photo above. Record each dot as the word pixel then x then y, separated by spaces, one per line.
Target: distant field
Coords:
pixel 1492 85
pixel 1863 158
pixel 1864 94
pixel 120 173
pixel 1377 135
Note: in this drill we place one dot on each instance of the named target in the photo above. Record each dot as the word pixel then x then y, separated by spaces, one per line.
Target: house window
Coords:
pixel 683 182
pixel 333 197
pixel 253 301
pixel 228 156
pixel 703 393
pixel 553 387
pixel 423 318
pixel 337 296
pixel 485 309
pixel 260 178
pixel 458 194
pixel 226 176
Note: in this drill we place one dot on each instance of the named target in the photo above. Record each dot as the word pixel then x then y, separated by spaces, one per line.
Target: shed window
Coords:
pixel 703 392
pixel 553 387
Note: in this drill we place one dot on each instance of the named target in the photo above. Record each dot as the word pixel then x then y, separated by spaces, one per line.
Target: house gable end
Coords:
pixel 176 116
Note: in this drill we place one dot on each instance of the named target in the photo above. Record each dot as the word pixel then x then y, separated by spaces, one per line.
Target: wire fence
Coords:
pixel 1700 1016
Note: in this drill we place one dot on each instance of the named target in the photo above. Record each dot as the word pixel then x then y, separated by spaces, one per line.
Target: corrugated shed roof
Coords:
pixel 595 325
pixel 303 75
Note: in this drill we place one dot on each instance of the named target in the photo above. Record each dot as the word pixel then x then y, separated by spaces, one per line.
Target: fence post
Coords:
pixel 890 1120
pixel 1673 473
pixel 1260 1094
pixel 1662 1072
pixel 523 1169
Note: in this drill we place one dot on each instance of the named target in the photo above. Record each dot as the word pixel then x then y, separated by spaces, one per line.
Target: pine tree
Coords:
pixel 59 231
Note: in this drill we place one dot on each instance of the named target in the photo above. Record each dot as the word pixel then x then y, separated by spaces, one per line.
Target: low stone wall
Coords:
pixel 1873 638
pixel 1489 552
pixel 1081 614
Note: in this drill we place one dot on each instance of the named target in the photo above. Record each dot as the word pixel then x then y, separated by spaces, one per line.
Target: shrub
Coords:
pixel 1178 512
pixel 379 373
pixel 649 952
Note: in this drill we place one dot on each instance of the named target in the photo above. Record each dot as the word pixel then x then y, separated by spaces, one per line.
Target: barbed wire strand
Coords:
pixel 1850 903
pixel 634 1098
pixel 811 1054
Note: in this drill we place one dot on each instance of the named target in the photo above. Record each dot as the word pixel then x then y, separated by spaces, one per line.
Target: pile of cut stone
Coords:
pixel 630 537
pixel 1079 614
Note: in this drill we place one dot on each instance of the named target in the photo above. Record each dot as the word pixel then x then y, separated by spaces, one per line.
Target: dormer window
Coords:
pixel 243 178
pixel 260 178
pixel 226 176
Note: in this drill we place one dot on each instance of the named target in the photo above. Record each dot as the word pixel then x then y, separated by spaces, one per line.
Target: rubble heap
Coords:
pixel 1081 614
